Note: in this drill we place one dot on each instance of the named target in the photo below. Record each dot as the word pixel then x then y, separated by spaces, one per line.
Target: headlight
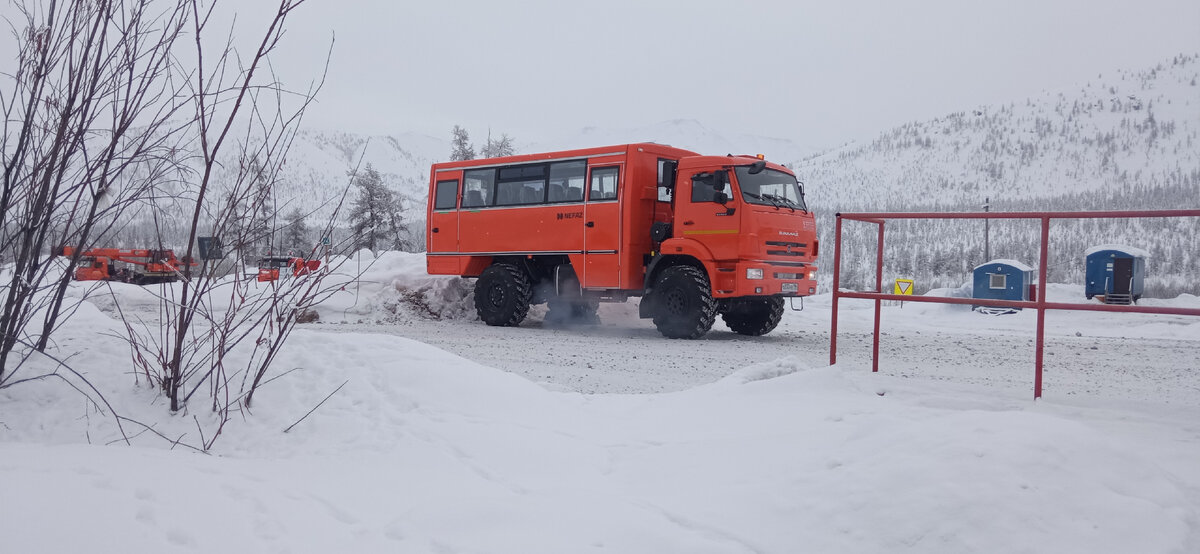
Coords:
pixel 812 275
pixel 754 273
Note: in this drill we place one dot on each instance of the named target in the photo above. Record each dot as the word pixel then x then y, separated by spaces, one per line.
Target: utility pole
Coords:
pixel 987 251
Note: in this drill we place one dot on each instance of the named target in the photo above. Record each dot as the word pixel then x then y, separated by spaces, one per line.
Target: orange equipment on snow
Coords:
pixel 137 266
pixel 269 266
pixel 694 236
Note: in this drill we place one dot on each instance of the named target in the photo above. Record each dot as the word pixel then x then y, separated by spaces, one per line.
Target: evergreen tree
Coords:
pixel 496 148
pixel 296 233
pixel 375 215
pixel 462 149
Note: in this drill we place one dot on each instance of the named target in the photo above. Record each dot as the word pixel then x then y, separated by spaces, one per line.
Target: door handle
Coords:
pixel 590 224
pixel 689 222
pixel 435 229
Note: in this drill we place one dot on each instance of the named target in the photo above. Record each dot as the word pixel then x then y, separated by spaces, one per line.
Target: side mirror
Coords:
pixel 720 197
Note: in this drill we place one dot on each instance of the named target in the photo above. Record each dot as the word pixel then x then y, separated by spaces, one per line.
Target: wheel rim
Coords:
pixel 675 302
pixel 495 296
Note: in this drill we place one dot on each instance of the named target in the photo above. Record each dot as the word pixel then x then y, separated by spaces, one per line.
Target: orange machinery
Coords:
pixel 269 266
pixel 137 266
pixel 694 236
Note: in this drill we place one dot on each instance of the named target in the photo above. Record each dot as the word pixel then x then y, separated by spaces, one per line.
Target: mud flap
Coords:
pixel 646 305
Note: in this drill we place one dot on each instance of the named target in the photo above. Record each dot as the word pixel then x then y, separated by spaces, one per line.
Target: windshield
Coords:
pixel 771 188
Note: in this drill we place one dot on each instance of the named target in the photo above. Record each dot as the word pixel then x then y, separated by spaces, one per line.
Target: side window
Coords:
pixel 705 185
pixel 446 195
pixel 604 183
pixel 997 281
pixel 479 187
pixel 566 181
pixel 524 184
pixel 666 179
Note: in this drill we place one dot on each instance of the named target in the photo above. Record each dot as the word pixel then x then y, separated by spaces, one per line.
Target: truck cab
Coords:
pixel 746 223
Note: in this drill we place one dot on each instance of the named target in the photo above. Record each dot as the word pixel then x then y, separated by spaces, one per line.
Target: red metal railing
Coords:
pixel 1040 304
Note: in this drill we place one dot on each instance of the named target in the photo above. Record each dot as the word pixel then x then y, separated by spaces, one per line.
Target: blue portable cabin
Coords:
pixel 1002 280
pixel 1116 272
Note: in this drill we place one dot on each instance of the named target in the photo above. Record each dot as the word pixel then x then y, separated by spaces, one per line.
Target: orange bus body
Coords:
pixel 595 208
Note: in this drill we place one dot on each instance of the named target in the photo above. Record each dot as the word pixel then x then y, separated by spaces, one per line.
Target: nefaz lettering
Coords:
pixel 570 215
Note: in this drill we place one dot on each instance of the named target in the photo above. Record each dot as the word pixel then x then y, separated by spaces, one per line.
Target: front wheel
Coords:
pixel 684 306
pixel 502 295
pixel 753 316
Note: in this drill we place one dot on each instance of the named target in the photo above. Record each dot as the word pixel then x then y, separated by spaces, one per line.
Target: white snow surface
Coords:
pixel 759 446
pixel 1131 250
pixel 1020 266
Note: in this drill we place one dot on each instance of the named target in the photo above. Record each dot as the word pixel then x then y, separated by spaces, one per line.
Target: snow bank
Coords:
pixel 424 451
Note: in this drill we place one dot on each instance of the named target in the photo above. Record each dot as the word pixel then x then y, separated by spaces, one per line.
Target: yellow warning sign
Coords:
pixel 903 286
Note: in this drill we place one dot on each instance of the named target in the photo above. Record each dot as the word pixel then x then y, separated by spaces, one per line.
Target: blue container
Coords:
pixel 1115 272
pixel 1002 280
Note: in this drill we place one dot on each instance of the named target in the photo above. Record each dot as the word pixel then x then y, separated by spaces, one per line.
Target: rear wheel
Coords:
pixel 753 316
pixel 684 306
pixel 502 295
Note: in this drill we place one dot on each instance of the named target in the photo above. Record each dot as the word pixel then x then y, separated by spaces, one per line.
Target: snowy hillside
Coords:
pixel 1127 140
pixel 1130 130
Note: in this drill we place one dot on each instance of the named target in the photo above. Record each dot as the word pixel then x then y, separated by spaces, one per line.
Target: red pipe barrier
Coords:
pixel 1040 304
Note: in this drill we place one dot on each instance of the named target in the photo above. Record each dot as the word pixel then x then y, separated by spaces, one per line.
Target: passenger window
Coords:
pixel 479 186
pixel 566 181
pixel 521 185
pixel 604 183
pixel 446 196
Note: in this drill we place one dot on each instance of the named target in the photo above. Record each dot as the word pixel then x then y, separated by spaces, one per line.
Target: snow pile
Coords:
pixel 394 288
pixel 423 451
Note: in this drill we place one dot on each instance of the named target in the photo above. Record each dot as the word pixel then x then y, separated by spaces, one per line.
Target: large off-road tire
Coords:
pixel 502 295
pixel 753 316
pixel 684 306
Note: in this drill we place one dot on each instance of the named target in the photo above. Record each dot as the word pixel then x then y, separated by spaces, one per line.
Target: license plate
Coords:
pixel 791 287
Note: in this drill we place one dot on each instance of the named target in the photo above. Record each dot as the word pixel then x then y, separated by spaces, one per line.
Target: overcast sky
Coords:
pixel 816 72
pixel 819 73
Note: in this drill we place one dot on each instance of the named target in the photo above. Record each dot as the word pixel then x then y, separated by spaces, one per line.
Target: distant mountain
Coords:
pixel 1129 140
pixel 682 133
pixel 1127 130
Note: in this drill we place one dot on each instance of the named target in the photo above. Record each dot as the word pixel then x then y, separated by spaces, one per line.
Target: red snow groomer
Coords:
pixel 269 267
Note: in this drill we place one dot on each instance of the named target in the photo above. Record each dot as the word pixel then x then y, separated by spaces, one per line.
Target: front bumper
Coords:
pixel 778 279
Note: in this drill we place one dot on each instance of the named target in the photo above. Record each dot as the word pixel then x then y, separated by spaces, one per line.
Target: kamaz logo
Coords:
pixel 789 233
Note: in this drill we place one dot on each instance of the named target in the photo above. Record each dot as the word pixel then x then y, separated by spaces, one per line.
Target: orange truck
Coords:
pixel 137 266
pixel 694 236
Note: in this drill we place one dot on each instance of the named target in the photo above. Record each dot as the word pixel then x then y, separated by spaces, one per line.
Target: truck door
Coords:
pixel 602 228
pixel 443 221
pixel 700 214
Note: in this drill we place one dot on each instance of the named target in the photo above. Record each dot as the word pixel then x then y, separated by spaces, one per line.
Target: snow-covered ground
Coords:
pixel 452 436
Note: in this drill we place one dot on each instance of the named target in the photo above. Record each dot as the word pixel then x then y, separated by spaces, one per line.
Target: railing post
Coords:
pixel 1041 308
pixel 837 276
pixel 878 302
